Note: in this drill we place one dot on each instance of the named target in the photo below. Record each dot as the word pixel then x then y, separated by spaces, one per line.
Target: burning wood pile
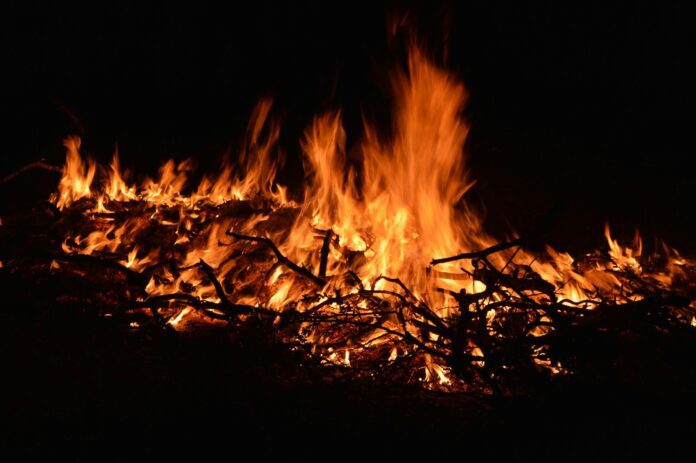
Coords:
pixel 381 273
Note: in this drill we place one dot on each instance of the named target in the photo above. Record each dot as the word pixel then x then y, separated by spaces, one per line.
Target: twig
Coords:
pixel 40 164
pixel 480 254
pixel 208 270
pixel 325 253
pixel 396 281
pixel 280 257
pixel 204 305
pixel 136 278
pixel 509 261
pixel 188 299
pixel 538 229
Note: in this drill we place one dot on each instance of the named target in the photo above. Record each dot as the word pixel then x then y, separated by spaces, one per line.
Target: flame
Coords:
pixel 179 317
pixel 404 213
pixel 77 175
pixel 115 188
pixel 396 205
pixel 624 257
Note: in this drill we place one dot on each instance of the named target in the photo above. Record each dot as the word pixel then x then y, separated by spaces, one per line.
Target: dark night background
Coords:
pixel 588 105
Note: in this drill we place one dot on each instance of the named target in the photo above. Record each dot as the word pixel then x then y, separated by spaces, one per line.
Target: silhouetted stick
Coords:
pixel 538 229
pixel 280 257
pixel 206 307
pixel 134 277
pixel 396 281
pixel 208 270
pixel 40 164
pixel 480 254
pixel 509 261
pixel 325 253
pixel 210 308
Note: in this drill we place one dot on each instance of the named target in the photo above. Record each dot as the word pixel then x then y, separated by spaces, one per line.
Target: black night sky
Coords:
pixel 588 105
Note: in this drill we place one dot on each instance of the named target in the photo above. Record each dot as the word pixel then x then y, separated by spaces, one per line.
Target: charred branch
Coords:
pixel 479 254
pixel 485 340
pixel 280 257
pixel 40 164
pixel 325 253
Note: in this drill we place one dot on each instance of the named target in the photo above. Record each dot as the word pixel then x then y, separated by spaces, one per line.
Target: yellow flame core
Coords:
pixel 404 213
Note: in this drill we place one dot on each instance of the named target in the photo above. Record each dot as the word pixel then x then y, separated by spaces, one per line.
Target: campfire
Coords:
pixel 378 272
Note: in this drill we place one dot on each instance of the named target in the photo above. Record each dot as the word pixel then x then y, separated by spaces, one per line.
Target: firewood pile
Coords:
pixel 504 339
pixel 381 273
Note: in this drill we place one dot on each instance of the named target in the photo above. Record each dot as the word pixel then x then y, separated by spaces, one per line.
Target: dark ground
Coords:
pixel 80 388
pixel 589 105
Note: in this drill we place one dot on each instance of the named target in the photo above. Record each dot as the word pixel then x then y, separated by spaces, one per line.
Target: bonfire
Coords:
pixel 381 272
